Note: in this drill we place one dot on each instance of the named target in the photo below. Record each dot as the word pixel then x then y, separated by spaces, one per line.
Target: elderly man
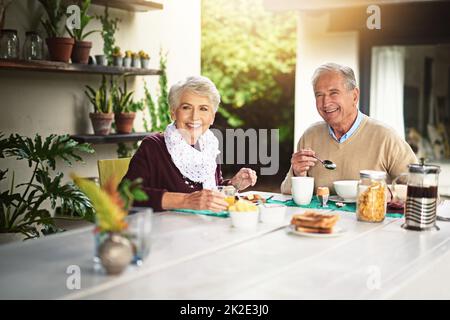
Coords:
pixel 352 140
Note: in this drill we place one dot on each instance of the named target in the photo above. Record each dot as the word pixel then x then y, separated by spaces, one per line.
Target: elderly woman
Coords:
pixel 179 168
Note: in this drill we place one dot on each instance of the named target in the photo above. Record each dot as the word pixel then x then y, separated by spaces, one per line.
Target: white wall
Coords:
pixel 45 103
pixel 316 46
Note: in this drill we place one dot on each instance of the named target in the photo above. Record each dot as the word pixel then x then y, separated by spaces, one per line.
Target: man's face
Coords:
pixel 335 104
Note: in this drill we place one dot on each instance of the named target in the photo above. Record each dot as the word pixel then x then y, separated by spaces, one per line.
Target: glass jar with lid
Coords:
pixel 372 196
pixel 33 47
pixel 9 44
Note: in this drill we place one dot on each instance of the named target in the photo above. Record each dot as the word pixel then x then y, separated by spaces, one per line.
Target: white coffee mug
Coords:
pixel 302 189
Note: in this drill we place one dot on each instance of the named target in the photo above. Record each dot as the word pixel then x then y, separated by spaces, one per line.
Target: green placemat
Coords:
pixel 315 204
pixel 222 214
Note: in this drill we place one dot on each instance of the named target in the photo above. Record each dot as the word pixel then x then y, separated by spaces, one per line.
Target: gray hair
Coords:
pixel 196 84
pixel 346 72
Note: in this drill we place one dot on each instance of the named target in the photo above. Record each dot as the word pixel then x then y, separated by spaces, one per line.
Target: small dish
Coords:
pixel 272 213
pixel 337 232
pixel 336 198
pixel 244 219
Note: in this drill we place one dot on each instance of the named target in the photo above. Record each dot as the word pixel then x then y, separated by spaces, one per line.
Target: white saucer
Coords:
pixel 336 198
pixel 337 232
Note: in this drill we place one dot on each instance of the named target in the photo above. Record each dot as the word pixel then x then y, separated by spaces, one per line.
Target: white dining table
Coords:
pixel 203 257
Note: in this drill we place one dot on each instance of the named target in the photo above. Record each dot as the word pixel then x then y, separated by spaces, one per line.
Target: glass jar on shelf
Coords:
pixel 33 47
pixel 9 44
pixel 372 196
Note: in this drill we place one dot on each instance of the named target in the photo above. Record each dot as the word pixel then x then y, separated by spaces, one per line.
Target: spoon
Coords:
pixel 328 164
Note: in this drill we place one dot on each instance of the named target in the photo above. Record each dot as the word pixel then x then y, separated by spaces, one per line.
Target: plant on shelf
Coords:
pixel 23 207
pixel 111 203
pixel 127 58
pixel 101 100
pixel 117 57
pixel 81 49
pixel 122 99
pixel 126 150
pixel 159 113
pixel 135 60
pixel 59 47
pixel 145 59
pixel 109 28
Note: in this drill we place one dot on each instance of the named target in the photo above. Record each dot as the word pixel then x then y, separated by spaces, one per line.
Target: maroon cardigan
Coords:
pixel 153 163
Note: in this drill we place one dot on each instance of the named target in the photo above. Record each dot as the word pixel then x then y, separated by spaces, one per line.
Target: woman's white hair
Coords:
pixel 346 72
pixel 196 84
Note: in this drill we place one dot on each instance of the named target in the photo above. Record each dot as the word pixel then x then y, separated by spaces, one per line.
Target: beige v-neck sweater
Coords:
pixel 373 146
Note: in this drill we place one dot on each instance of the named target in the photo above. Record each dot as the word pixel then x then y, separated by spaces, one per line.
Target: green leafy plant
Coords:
pixel 117 52
pixel 56 11
pixel 249 59
pixel 159 114
pixel 21 206
pixel 109 28
pixel 100 99
pixel 121 97
pixel 78 33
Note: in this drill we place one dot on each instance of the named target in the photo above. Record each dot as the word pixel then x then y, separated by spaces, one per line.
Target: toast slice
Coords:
pixel 314 230
pixel 311 219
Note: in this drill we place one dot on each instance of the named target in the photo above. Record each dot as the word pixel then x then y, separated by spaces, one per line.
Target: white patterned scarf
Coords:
pixel 196 165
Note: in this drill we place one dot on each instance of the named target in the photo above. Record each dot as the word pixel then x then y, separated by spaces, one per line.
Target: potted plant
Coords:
pixel 102 116
pixel 117 57
pixel 127 59
pixel 59 47
pixel 135 60
pixel 81 49
pixel 123 116
pixel 115 245
pixel 109 28
pixel 145 59
pixel 24 207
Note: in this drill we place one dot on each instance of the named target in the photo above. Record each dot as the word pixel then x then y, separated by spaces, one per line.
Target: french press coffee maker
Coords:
pixel 421 197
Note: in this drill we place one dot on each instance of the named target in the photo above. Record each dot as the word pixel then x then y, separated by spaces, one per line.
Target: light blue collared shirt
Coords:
pixel 349 133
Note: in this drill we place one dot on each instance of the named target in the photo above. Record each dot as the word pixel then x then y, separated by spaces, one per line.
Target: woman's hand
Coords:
pixel 205 200
pixel 244 178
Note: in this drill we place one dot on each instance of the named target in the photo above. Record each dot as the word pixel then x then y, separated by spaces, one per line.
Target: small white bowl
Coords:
pixel 244 219
pixel 272 213
pixel 346 189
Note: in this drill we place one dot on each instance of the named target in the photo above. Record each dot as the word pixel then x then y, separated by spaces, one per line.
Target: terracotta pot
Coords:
pixel 60 49
pixel 124 121
pixel 101 122
pixel 80 52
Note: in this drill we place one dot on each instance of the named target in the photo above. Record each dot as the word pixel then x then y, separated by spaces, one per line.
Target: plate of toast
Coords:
pixel 314 224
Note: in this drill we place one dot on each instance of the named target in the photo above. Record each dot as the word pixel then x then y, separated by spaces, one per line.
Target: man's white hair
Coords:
pixel 197 84
pixel 346 72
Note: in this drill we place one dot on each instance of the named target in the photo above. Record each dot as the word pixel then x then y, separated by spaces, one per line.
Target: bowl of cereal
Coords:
pixel 346 189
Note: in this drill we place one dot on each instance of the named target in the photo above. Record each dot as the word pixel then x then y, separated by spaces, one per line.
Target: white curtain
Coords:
pixel 386 86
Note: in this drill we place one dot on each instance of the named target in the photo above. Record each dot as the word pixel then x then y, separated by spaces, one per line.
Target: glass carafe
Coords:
pixel 422 197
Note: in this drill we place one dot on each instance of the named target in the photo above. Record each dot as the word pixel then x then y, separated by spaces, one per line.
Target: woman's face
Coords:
pixel 193 116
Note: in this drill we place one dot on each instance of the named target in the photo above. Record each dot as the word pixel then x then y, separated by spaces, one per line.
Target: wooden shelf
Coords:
pixel 53 66
pixel 130 5
pixel 112 138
